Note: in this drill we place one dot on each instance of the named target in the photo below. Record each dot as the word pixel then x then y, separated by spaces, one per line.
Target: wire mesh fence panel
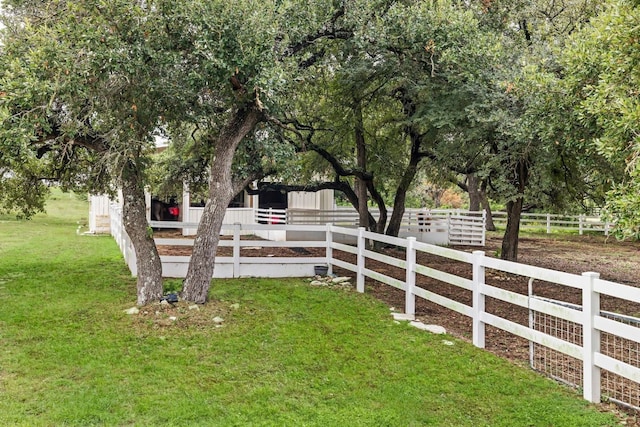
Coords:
pixel 553 363
pixel 569 370
pixel 616 387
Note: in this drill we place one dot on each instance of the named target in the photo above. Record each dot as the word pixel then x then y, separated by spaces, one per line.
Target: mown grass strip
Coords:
pixel 286 354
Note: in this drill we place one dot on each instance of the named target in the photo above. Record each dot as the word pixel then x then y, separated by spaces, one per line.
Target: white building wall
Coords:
pixel 99 219
pixel 327 200
pixel 99 209
pixel 322 199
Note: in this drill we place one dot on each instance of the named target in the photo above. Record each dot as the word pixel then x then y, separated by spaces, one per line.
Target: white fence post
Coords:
pixel 362 244
pixel 484 227
pixel 236 249
pixel 581 224
pixel 132 259
pixel 147 203
pixel 329 249
pixel 478 299
pixel 590 338
pixel 548 223
pixel 185 212
pixel 410 278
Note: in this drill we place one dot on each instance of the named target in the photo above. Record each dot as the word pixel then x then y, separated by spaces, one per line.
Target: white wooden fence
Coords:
pixel 122 238
pixel 593 324
pixel 237 265
pixel 99 214
pixel 550 222
pixel 336 253
pixel 441 227
pixel 464 227
pixel 271 216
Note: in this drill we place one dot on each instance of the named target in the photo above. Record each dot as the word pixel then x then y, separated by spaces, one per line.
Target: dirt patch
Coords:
pixel 182 315
pixel 227 251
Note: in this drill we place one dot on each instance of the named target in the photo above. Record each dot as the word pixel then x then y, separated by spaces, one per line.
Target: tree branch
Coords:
pixel 328 31
pixel 308 145
pixel 309 188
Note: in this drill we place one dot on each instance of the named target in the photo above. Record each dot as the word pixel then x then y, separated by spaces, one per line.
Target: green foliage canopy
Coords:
pixel 603 74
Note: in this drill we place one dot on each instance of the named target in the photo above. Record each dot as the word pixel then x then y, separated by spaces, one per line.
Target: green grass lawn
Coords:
pixel 287 354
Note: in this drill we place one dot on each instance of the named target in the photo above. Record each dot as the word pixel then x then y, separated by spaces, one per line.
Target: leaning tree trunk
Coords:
pixel 478 199
pixel 401 196
pixel 198 281
pixel 377 226
pixel 149 266
pixel 484 202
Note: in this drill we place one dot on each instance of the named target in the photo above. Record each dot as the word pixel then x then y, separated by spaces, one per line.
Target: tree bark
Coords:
pixel 478 198
pixel 377 226
pixel 484 203
pixel 351 195
pixel 511 234
pixel 198 281
pixel 149 281
pixel 473 188
pixel 514 212
pixel 401 196
pixel 361 161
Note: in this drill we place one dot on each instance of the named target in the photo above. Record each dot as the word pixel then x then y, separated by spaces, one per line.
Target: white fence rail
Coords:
pixel 550 222
pixel 121 237
pixel 277 263
pixel 271 216
pixel 441 227
pixel 570 370
pixel 356 257
pixel 589 318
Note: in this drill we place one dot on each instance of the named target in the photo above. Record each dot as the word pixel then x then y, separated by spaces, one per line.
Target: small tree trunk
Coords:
pixel 361 159
pixel 393 229
pixel 351 195
pixel 514 212
pixel 473 188
pixel 149 266
pixel 377 226
pixel 363 208
pixel 511 234
pixel 401 196
pixel 489 225
pixel 198 281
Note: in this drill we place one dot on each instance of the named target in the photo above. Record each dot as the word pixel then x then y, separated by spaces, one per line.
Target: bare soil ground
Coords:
pixel 615 261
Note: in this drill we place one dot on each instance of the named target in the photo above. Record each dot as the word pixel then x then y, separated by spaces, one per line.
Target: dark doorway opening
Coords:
pixel 274 199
